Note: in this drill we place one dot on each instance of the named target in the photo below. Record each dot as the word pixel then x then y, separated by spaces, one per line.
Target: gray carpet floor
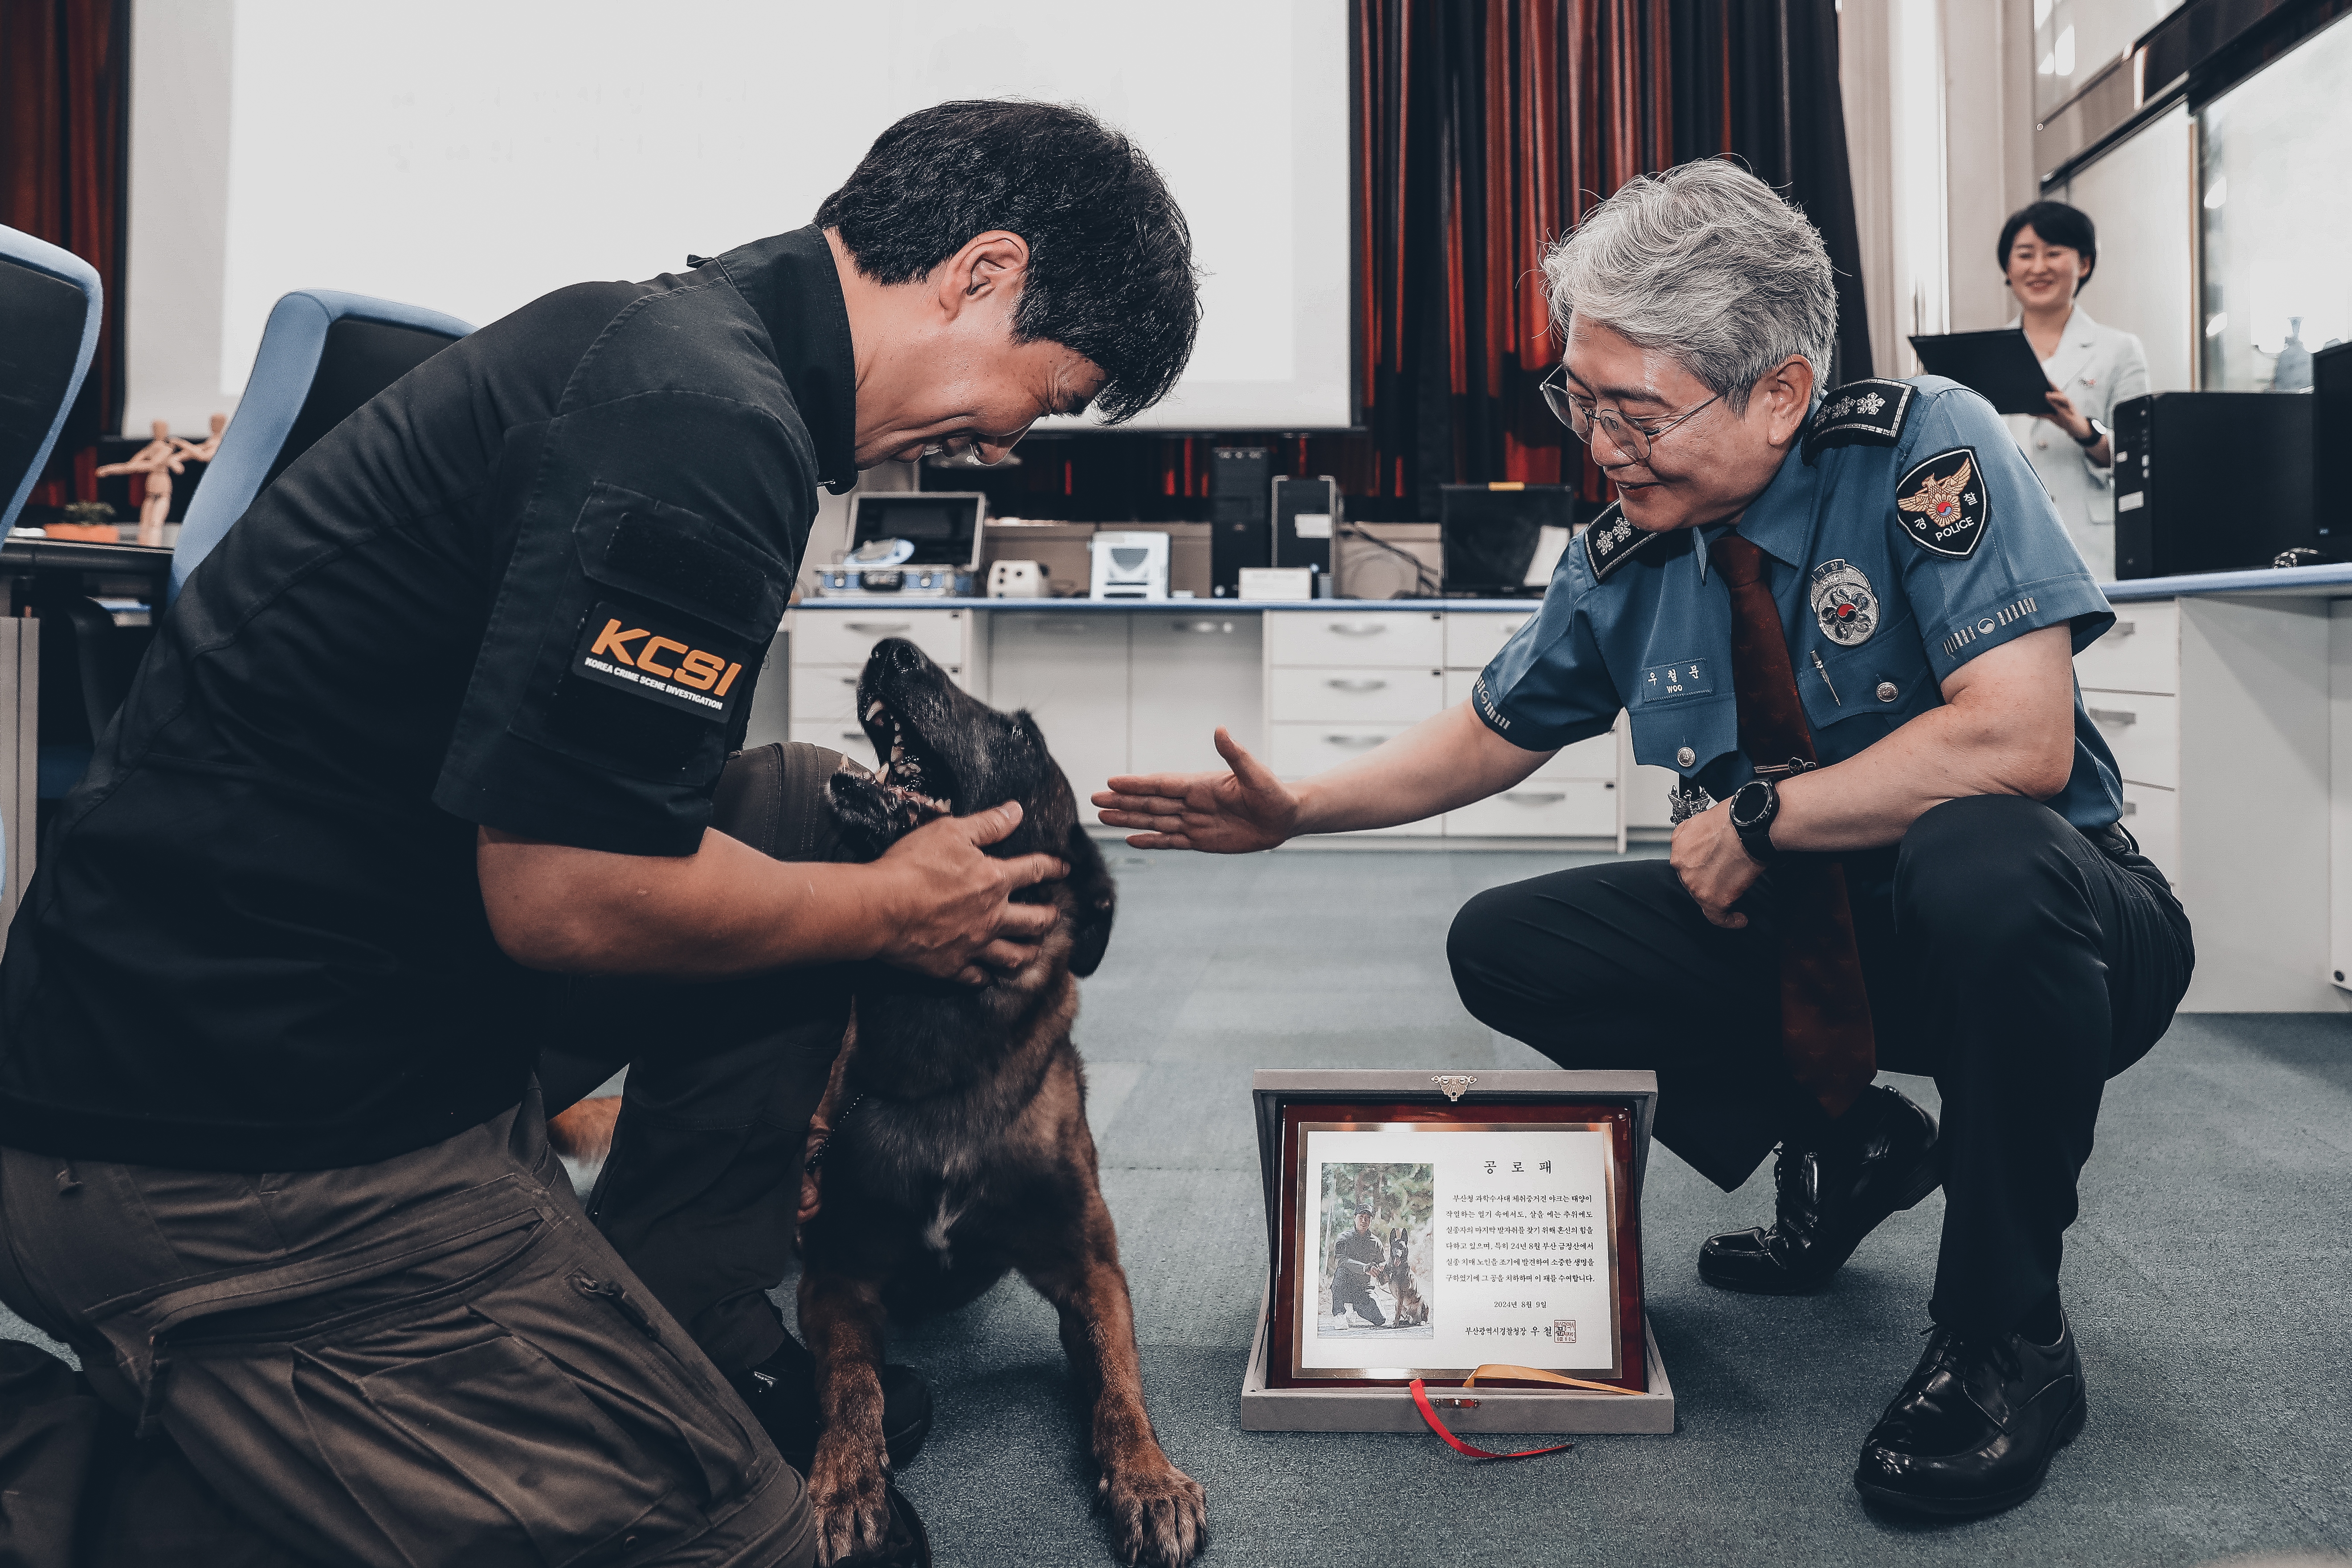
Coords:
pixel 2209 1278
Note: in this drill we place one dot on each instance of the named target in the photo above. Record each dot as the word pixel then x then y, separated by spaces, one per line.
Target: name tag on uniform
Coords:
pixel 1689 679
pixel 625 650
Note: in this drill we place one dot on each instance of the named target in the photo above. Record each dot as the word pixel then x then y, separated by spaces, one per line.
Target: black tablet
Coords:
pixel 2000 365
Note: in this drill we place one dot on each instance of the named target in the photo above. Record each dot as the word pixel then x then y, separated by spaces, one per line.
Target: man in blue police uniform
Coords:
pixel 1847 622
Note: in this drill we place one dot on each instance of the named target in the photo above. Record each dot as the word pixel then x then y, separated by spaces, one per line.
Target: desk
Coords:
pixel 35 571
pixel 2227 699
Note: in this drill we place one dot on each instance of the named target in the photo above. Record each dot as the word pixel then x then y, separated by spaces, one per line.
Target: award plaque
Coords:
pixel 1425 1225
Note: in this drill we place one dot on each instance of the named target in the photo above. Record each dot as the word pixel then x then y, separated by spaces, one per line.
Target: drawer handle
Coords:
pixel 1355 628
pixel 877 627
pixel 1340 684
pixel 1202 627
pixel 853 734
pixel 2114 716
pixel 849 680
pixel 2131 808
pixel 1060 625
pixel 1355 741
pixel 2122 629
pixel 1534 796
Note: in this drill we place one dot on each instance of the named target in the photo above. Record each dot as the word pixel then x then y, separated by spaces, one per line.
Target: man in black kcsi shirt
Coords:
pixel 269 1159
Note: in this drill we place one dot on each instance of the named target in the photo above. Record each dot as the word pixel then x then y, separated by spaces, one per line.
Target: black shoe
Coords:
pixel 1975 1429
pixel 1830 1198
pixel 781 1393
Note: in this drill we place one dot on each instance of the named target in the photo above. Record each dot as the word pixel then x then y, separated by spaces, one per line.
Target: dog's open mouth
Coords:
pixel 910 775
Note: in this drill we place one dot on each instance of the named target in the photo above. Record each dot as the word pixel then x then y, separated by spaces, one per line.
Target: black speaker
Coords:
pixel 1304 513
pixel 2331 498
pixel 2211 481
pixel 1241 530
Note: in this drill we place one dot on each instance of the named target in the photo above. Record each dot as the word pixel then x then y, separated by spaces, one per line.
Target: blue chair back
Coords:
pixel 322 355
pixel 49 301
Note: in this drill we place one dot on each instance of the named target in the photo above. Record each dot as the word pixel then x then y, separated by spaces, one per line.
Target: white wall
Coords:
pixel 469 155
pixel 2141 195
pixel 178 219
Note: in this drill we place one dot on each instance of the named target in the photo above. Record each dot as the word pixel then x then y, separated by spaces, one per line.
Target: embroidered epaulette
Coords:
pixel 1611 541
pixel 1861 413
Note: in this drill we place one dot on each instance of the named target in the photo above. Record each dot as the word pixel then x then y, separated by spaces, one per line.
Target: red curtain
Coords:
pixel 64 115
pixel 1489 128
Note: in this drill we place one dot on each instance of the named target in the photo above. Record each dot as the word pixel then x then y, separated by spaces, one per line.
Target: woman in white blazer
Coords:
pixel 2047 252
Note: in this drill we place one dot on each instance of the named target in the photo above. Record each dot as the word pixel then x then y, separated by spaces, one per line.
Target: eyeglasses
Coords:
pixel 1582 416
pixel 973 451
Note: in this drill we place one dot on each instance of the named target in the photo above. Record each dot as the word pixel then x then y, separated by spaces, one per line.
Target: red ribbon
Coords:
pixel 1429 1413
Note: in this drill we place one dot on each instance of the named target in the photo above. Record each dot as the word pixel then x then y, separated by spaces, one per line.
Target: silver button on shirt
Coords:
pixel 1886 692
pixel 1686 757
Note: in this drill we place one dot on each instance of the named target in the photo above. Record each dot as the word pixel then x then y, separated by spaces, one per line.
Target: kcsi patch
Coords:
pixel 621 650
pixel 1942 504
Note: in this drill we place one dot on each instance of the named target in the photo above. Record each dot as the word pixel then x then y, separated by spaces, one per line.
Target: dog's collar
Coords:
pixel 817 1146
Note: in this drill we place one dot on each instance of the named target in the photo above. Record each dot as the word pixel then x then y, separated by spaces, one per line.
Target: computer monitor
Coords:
pixel 1501 541
pixel 943 526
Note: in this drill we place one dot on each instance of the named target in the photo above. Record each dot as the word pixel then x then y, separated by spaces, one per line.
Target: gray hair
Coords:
pixel 1709 263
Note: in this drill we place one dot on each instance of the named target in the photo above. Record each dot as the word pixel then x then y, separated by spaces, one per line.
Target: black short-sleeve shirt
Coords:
pixel 529 586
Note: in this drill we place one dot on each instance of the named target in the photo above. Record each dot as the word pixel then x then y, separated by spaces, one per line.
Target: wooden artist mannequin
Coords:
pixel 157 462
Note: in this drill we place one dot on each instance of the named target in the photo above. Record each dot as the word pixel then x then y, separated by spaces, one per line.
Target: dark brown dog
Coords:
pixel 958 1148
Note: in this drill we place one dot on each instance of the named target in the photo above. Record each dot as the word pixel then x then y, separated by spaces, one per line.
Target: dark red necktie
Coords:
pixel 1825 1035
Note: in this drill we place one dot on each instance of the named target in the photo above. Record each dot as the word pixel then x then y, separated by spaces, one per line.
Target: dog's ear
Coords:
pixel 1096 897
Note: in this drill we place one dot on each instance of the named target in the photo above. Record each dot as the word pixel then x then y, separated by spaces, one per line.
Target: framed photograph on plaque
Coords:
pixel 1423 1225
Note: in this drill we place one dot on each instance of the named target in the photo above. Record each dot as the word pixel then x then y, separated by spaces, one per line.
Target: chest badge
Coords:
pixel 1942 504
pixel 1845 602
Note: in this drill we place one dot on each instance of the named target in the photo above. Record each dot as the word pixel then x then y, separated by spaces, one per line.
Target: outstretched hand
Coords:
pixel 1229 813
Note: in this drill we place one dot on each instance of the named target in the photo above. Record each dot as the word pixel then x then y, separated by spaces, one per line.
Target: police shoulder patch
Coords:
pixel 1942 504
pixel 1611 542
pixel 1868 412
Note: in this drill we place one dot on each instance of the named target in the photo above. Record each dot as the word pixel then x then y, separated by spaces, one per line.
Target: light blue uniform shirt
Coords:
pixel 1906 536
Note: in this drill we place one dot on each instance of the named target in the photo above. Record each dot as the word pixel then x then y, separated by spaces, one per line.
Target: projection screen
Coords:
pixel 469 155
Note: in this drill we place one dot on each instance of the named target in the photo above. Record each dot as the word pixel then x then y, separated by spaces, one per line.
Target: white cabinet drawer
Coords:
pixel 1403 696
pixel 835 735
pixel 1540 808
pixel 1473 638
pixel 1392 638
pixel 2144 733
pixel 2153 816
pixel 1294 751
pixel 825 692
pixel 846 635
pixel 2141 652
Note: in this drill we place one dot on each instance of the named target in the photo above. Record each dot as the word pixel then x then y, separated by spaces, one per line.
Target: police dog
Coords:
pixel 1411 1311
pixel 955 1147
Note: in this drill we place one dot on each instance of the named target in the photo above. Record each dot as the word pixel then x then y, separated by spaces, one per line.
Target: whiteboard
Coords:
pixel 470 155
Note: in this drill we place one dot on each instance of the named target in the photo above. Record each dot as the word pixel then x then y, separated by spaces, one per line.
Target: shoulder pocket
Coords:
pixel 680 560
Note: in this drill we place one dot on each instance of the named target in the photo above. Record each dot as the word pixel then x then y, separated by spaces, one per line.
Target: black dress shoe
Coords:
pixel 1975 1429
pixel 1880 1157
pixel 781 1393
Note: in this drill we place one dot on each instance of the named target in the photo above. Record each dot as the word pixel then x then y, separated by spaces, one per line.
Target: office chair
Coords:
pixel 49 303
pixel 322 354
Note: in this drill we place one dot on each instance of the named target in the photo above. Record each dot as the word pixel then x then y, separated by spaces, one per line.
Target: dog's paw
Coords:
pixel 850 1495
pixel 1160 1516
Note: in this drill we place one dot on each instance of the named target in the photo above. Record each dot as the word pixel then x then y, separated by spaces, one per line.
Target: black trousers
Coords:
pixel 2004 953
pixel 699 1194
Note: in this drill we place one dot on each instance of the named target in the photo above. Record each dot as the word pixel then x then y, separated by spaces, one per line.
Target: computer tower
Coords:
pixel 1241 531
pixel 2211 481
pixel 2331 498
pixel 1306 511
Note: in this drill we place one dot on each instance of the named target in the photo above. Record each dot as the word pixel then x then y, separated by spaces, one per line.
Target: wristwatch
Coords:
pixel 2098 433
pixel 1754 804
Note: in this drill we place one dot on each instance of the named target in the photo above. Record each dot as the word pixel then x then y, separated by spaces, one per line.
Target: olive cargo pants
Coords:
pixel 432 1359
